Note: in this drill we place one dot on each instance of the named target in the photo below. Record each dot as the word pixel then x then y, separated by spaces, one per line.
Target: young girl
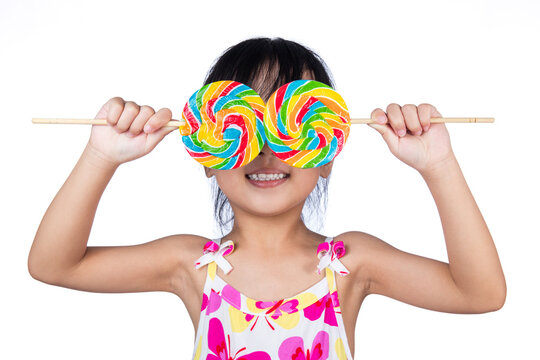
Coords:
pixel 268 289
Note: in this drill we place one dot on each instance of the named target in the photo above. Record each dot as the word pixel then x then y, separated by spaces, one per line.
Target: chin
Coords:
pixel 268 208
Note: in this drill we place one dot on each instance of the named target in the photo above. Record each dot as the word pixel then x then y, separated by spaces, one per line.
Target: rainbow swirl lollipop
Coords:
pixel 223 126
pixel 306 123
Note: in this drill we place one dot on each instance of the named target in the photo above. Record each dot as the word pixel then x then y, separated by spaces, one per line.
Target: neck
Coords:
pixel 269 232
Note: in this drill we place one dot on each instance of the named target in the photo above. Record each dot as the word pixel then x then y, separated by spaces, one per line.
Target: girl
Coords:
pixel 264 300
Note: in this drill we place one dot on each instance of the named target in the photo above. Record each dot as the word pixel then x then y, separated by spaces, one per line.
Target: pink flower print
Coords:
pixel 220 350
pixel 275 308
pixel 204 302
pixel 293 348
pixel 211 303
pixel 231 295
pixel 326 305
pixel 335 299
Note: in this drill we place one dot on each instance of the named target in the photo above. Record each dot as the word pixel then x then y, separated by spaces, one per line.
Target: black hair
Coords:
pixel 264 65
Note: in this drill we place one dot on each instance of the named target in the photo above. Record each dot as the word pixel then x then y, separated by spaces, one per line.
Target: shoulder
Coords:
pixel 177 253
pixel 362 251
pixel 185 248
pixel 357 243
pixel 358 239
pixel 181 251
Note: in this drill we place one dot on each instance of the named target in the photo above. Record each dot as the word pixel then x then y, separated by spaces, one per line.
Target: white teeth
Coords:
pixel 266 177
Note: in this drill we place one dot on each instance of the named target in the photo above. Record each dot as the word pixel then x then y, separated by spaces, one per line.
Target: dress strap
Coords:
pixel 213 253
pixel 329 253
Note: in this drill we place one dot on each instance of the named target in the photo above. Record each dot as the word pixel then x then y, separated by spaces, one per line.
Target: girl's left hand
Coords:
pixel 411 137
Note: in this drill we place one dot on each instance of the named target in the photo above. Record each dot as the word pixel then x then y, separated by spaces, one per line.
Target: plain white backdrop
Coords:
pixel 468 58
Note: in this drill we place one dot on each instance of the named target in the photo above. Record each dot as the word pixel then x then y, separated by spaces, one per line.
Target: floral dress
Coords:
pixel 307 326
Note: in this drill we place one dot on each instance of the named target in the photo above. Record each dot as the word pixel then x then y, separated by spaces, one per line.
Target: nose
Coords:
pixel 266 150
pixel 268 158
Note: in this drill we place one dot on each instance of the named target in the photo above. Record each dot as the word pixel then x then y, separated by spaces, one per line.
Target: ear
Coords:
pixel 210 172
pixel 326 169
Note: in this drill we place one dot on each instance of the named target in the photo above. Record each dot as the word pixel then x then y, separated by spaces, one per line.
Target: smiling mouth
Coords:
pixel 267 177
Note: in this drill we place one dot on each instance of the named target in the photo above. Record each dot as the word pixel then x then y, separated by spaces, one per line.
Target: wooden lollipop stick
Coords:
pixel 173 123
pixel 435 120
pixel 177 123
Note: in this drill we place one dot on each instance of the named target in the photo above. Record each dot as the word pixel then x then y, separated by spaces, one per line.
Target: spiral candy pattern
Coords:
pixel 223 126
pixel 306 123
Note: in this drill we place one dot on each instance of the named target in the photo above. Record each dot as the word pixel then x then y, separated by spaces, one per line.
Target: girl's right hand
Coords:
pixel 132 131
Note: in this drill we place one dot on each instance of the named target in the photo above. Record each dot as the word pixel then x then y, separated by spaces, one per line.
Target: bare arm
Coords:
pixel 473 260
pixel 59 254
pixel 61 240
pixel 472 280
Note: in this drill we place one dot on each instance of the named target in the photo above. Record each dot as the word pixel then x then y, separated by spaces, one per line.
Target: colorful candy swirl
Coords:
pixel 223 126
pixel 306 123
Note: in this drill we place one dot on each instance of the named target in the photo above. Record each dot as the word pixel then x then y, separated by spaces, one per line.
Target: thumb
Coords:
pixel 164 131
pixel 155 137
pixel 387 133
pixel 382 129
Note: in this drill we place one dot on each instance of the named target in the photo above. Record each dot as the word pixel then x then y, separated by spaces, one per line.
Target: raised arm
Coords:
pixel 59 254
pixel 472 257
pixel 472 281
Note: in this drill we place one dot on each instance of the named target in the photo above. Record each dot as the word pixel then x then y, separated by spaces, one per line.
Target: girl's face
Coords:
pixel 267 186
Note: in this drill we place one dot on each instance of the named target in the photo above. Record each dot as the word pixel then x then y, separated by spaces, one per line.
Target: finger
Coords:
pixel 111 110
pixel 158 120
pixel 425 113
pixel 131 110
pixel 379 116
pixel 412 122
pixel 144 114
pixel 395 117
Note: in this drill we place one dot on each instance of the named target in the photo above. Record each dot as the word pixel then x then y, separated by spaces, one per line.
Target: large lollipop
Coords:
pixel 223 126
pixel 306 123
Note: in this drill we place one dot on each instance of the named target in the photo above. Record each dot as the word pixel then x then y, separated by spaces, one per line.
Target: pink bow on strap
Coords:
pixel 214 252
pixel 329 254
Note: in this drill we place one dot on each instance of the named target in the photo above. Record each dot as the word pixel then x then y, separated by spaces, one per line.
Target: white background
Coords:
pixel 468 58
